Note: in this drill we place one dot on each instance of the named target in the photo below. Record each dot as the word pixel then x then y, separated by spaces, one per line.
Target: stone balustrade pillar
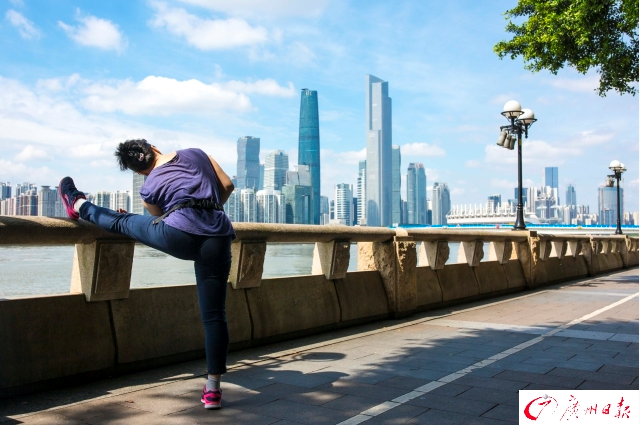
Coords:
pixel 331 259
pixel 500 251
pixel 590 250
pixel 471 253
pixel 434 254
pixel 247 262
pixel 560 248
pixel 396 261
pixel 102 269
pixel 574 248
pixel 529 257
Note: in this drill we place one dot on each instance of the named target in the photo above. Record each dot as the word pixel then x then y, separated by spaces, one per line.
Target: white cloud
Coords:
pixel 458 191
pixel 12 171
pixel 592 138
pixel 207 34
pixel 503 184
pixel 95 32
pixel 57 84
pixel 421 149
pixel 472 163
pixel 338 167
pixel 585 84
pixel 633 184
pixel 269 87
pixel 432 175
pixel 261 8
pixel 535 152
pixel 162 96
pixel 25 27
pixel 30 153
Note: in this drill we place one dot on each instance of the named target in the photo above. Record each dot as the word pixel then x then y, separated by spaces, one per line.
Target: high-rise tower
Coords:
pixel 309 146
pixel 248 162
pixel 378 127
pixel 396 209
pixel 416 194
pixel 136 201
pixel 441 202
pixel 276 164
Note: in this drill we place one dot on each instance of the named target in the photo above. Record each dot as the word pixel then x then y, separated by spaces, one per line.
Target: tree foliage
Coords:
pixel 584 34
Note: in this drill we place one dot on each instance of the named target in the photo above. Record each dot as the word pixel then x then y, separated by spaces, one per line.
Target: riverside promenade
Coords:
pixel 461 364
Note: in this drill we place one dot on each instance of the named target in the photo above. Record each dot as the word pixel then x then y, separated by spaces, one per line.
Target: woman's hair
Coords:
pixel 135 155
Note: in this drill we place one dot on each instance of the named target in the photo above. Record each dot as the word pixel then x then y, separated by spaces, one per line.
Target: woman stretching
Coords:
pixel 184 193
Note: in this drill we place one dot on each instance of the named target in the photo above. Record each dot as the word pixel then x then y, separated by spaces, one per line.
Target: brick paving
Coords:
pixel 330 378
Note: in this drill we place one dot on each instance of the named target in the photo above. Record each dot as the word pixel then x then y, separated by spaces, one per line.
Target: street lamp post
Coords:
pixel 520 121
pixel 618 168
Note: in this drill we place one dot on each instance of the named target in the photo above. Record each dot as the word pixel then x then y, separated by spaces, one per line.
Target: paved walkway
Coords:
pixel 462 365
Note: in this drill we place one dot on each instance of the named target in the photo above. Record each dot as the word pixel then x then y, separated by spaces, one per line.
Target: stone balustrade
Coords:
pixel 102 327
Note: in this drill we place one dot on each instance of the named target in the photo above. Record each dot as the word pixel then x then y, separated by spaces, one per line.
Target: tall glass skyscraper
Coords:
pixel 608 205
pixel 276 165
pixel 571 195
pixel 396 209
pixel 441 203
pixel 136 200
pixel 378 127
pixel 248 162
pixel 361 189
pixel 416 194
pixel 550 178
pixel 309 146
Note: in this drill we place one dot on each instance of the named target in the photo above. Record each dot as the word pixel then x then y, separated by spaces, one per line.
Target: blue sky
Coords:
pixel 78 77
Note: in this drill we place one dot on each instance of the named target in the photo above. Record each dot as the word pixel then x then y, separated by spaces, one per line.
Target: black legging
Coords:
pixel 212 261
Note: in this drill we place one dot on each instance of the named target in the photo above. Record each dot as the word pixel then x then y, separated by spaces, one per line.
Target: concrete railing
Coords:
pixel 102 327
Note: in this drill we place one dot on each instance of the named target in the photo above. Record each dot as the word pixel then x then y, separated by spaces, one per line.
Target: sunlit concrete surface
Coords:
pixel 459 365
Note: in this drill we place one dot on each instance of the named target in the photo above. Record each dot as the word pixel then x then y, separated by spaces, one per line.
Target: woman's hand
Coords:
pixel 122 211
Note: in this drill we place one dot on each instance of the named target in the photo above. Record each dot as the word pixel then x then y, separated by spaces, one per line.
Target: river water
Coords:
pixel 45 270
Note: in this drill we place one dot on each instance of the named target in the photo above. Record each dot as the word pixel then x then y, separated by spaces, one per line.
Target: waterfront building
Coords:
pixel 300 177
pixel 396 181
pixel 493 202
pixel 608 204
pixel 416 194
pixel 405 212
pixel 276 165
pixel 298 203
pixel 103 199
pixel 550 177
pixel 233 206
pixel 344 204
pixel 137 206
pixel 120 199
pixel 27 203
pixel 248 200
pixel 525 195
pixel 309 146
pixel 571 195
pixel 248 162
pixel 441 203
pixel 5 190
pixel 379 139
pixel 324 210
pixel 8 206
pixel 354 209
pixel 47 201
pixel 270 206
pixel 260 177
pixel 361 190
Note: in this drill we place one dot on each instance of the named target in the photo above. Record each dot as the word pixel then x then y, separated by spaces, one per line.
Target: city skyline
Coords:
pixel 67 103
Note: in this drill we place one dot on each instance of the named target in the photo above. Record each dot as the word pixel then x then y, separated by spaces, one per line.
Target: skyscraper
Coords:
pixel 276 164
pixel 494 201
pixel 298 202
pixel 103 199
pixel 136 200
pixel 608 204
pixel 324 210
pixel 5 190
pixel 396 213
pixel 416 194
pixel 47 202
pixel 441 203
pixel 571 196
pixel 309 146
pixel 270 206
pixel 120 199
pixel 361 189
pixel 343 205
pixel 378 129
pixel 248 162
pixel 248 199
pixel 550 177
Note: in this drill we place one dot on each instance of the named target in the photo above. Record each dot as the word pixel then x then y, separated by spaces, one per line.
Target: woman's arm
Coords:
pixel 154 210
pixel 224 182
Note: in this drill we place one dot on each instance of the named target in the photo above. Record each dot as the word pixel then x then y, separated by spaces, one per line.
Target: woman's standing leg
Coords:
pixel 212 273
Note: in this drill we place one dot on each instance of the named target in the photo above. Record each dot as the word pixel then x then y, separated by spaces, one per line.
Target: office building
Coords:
pixel 260 177
pixel 525 195
pixel 378 131
pixel 324 210
pixel 120 199
pixel 276 165
pixel 550 178
pixel 309 146
pixel 233 206
pixel 493 202
pixel 361 189
pixel 136 200
pixel 249 211
pixel 396 181
pixel 270 206
pixel 248 172
pixel 608 204
pixel 103 199
pixel 344 204
pixel 299 177
pixel 354 211
pixel 5 191
pixel 441 203
pixel 47 201
pixel 416 194
pixel 571 195
pixel 27 203
pixel 298 203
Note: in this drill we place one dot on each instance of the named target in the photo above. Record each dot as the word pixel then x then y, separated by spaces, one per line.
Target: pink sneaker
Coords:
pixel 212 399
pixel 69 195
